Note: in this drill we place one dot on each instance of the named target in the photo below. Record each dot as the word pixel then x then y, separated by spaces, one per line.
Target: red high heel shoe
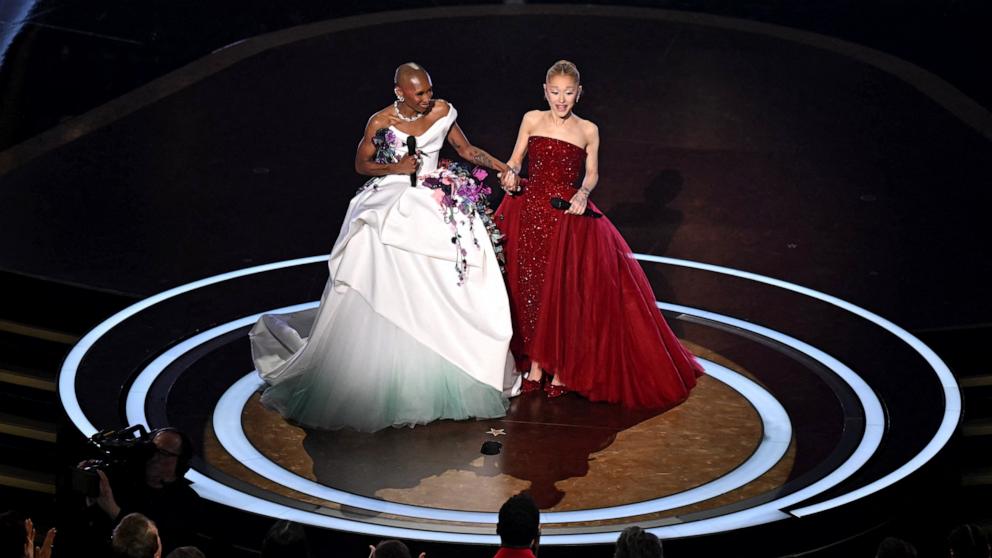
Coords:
pixel 554 392
pixel 527 386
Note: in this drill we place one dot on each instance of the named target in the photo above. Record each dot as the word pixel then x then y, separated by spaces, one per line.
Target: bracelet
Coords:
pixel 583 192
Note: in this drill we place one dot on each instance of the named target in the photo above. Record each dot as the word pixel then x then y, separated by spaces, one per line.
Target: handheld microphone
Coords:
pixel 411 150
pixel 559 203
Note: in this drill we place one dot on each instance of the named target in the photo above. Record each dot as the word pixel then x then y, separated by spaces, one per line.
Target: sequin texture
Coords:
pixel 554 167
pixel 582 306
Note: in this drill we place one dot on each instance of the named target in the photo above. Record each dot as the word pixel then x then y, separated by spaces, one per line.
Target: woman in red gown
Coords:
pixel 583 310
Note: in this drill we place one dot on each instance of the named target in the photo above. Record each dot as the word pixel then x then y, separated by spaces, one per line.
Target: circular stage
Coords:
pixel 783 424
pixel 754 146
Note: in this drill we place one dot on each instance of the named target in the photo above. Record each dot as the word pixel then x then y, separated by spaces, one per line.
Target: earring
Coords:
pixel 400 99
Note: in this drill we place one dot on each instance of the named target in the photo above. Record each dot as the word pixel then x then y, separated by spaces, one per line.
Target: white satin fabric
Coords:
pixel 396 253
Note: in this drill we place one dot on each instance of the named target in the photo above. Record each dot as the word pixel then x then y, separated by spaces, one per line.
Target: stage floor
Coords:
pixel 794 417
pixel 783 191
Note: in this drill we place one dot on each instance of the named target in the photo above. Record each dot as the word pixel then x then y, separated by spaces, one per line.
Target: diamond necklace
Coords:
pixel 401 116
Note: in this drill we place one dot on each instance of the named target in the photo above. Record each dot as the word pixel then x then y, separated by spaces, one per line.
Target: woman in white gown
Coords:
pixel 400 337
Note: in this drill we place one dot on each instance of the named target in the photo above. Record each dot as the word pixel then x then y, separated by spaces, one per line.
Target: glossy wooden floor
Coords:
pixel 721 144
pixel 568 454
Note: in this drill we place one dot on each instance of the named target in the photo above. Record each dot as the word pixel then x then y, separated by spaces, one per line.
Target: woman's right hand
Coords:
pixel 406 165
pixel 510 181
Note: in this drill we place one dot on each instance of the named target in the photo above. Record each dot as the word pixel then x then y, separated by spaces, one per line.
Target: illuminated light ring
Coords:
pixel 777 434
pixel 134 405
pixel 773 445
pixel 70 366
pixel 760 514
pixel 952 393
pixel 226 494
pixel 874 415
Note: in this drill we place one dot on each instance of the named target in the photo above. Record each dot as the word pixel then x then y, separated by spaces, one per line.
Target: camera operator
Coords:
pixel 157 490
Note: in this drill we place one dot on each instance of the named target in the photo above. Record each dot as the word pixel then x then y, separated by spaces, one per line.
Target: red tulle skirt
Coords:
pixel 584 310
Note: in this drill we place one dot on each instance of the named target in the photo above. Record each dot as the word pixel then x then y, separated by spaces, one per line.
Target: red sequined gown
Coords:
pixel 581 304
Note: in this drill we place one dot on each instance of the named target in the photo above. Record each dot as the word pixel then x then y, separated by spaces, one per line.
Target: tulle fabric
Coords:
pixel 396 341
pixel 384 377
pixel 598 326
pixel 593 320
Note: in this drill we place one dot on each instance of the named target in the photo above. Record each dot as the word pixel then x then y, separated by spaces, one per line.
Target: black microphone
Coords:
pixel 559 203
pixel 411 150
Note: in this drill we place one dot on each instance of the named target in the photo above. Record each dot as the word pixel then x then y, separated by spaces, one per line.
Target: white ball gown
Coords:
pixel 396 340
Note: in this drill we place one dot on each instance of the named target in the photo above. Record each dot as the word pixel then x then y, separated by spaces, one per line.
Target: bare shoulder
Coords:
pixel 530 120
pixel 440 109
pixel 442 106
pixel 532 116
pixel 589 129
pixel 381 119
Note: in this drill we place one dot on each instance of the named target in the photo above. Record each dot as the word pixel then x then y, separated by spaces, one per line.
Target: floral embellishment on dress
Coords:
pixel 385 143
pixel 386 152
pixel 462 193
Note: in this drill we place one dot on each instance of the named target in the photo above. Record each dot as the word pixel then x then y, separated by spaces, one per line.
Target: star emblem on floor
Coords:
pixel 496 432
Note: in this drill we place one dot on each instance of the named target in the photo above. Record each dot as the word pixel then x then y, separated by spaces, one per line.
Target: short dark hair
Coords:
pixel 12 535
pixel 891 547
pixel 135 537
pixel 186 552
pixel 635 542
pixel 392 549
pixel 285 539
pixel 519 519
pixel 969 541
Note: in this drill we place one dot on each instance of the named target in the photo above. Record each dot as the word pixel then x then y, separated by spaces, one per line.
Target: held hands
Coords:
pixel 578 201
pixel 509 180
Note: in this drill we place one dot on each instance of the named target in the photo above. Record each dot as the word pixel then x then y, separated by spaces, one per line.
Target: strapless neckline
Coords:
pixel 582 149
pixel 429 128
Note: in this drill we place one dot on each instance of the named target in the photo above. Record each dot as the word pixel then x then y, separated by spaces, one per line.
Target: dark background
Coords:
pixel 72 55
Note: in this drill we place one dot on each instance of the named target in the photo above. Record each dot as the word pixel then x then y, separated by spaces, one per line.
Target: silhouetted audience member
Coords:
pixel 17 538
pixel 891 547
pixel 136 537
pixel 392 549
pixel 13 536
pixel 285 539
pixel 969 541
pixel 159 492
pixel 186 552
pixel 519 528
pixel 635 542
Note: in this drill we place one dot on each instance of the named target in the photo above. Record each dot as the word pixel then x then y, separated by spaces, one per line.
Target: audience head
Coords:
pixel 891 547
pixel 136 537
pixel 285 539
pixel 13 536
pixel 519 522
pixel 171 457
pixel 635 542
pixel 186 552
pixel 969 541
pixel 391 549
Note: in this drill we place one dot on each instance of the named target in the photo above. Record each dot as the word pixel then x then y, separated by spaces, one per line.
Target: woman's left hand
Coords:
pixel 579 201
